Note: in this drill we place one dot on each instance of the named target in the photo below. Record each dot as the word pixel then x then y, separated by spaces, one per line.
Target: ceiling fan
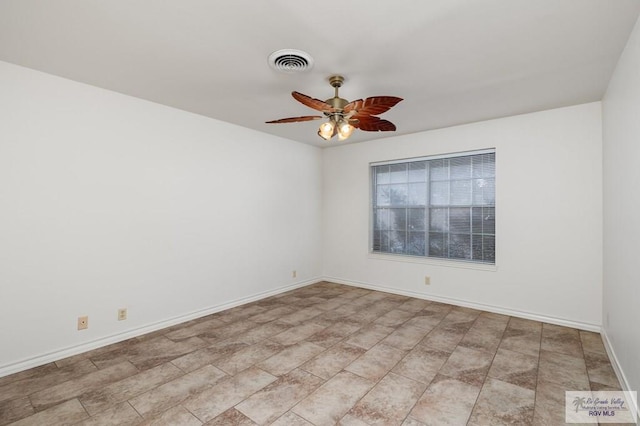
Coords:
pixel 345 116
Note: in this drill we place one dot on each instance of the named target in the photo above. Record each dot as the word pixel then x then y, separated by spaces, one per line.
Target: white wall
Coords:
pixel 621 134
pixel 548 217
pixel 108 201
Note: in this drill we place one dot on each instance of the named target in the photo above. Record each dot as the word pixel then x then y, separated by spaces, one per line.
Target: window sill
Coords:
pixel 461 264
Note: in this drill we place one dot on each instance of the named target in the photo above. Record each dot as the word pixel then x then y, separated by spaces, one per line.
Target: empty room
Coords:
pixel 300 213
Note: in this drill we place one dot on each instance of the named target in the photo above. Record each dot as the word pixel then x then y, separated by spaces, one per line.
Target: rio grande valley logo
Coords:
pixel 600 407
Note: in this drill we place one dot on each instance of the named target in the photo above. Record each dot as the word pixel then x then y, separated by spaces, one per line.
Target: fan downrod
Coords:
pixel 336 102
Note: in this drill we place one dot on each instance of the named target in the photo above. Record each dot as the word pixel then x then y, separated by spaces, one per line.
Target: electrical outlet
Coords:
pixel 427 280
pixel 122 314
pixel 83 323
pixel 294 274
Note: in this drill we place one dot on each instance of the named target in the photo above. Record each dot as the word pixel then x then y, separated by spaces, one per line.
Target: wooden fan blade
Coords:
pixel 372 106
pixel 314 103
pixel 372 124
pixel 295 119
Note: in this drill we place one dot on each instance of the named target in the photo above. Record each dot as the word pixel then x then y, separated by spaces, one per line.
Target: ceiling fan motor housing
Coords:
pixel 337 103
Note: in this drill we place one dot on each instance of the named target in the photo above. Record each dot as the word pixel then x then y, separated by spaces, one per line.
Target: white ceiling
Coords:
pixel 453 61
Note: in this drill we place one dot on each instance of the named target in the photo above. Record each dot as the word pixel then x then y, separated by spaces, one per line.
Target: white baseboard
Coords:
pixel 617 368
pixel 39 360
pixel 36 361
pixel 468 304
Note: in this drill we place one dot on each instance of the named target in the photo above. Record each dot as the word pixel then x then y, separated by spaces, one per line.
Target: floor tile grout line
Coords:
pixel 483 381
pixel 134 409
pixel 535 396
pixel 84 408
pixel 182 404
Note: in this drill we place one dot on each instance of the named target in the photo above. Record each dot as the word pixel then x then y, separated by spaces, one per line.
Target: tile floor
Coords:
pixel 321 355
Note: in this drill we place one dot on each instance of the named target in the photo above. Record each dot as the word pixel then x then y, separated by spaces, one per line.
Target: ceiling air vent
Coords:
pixel 290 60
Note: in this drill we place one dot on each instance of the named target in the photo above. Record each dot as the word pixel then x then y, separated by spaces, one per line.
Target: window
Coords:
pixel 441 207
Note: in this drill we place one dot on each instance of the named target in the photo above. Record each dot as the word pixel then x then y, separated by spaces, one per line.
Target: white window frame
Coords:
pixel 403 257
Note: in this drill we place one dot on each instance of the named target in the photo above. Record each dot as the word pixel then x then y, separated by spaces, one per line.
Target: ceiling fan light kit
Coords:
pixel 344 116
pixel 332 127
